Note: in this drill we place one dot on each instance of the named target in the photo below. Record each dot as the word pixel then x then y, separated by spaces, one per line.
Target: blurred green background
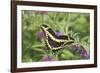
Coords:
pixel 33 47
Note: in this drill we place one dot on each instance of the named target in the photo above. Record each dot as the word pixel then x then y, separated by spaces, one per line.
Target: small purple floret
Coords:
pixel 40 35
pixel 46 58
pixel 58 33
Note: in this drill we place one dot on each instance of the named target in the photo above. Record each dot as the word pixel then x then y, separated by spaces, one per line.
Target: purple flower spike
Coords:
pixel 46 58
pixel 40 35
pixel 85 55
pixel 81 50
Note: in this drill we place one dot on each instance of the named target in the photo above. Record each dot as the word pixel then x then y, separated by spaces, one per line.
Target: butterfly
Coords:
pixel 54 42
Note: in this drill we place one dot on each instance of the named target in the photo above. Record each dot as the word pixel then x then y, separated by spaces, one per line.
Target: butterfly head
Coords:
pixel 44 27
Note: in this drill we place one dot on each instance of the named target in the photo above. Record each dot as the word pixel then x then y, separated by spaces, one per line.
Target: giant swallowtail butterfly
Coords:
pixel 54 42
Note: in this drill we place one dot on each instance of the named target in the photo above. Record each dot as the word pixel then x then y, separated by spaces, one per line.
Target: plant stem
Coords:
pixel 56 57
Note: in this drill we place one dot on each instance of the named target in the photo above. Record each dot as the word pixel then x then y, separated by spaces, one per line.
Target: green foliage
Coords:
pixel 75 24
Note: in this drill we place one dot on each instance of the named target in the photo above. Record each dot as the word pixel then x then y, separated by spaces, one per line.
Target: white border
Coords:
pixel 54 63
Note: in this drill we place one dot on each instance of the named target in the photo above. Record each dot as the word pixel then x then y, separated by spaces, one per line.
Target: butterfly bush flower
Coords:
pixel 58 33
pixel 40 35
pixel 80 49
pixel 46 58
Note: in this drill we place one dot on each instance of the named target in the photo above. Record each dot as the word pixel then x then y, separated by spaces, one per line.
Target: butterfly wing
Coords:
pixel 53 45
pixel 54 42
